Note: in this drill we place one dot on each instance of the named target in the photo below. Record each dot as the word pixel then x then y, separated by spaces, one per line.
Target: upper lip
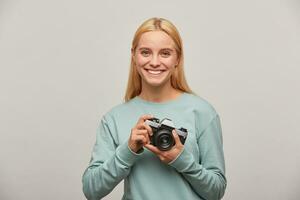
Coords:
pixel 155 69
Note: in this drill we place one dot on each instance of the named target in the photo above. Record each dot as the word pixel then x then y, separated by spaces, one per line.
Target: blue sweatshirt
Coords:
pixel 198 172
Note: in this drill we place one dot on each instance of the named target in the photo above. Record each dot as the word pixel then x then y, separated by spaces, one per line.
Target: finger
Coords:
pixel 140 126
pixel 176 137
pixel 144 118
pixel 144 132
pixel 148 128
pixel 140 139
pixel 141 132
pixel 148 138
pixel 153 149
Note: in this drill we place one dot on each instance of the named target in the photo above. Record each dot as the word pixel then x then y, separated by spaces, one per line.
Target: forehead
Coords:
pixel 156 39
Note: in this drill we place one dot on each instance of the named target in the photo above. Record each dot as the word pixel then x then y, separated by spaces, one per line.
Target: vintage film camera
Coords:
pixel 162 136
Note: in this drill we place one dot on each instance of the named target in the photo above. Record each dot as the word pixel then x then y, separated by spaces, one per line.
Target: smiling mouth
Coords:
pixel 154 72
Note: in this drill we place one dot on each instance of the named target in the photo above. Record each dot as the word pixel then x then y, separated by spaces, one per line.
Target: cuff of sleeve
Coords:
pixel 126 155
pixel 182 161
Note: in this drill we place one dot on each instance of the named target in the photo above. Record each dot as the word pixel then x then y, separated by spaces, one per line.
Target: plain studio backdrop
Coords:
pixel 65 63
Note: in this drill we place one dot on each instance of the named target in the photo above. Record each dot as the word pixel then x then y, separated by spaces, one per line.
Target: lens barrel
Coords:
pixel 164 140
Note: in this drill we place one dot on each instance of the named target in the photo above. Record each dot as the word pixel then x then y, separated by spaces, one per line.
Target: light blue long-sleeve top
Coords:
pixel 198 172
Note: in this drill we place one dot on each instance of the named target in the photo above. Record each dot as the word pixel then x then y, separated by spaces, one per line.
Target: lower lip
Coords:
pixel 154 74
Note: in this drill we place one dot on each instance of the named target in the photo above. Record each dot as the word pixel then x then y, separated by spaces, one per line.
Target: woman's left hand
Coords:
pixel 170 155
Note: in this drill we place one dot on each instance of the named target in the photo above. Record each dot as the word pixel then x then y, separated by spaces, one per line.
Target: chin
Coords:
pixel 155 83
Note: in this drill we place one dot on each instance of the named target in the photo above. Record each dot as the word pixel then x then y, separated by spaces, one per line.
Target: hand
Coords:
pixel 170 155
pixel 139 136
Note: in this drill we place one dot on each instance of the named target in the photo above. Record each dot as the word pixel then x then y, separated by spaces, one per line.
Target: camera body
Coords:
pixel 162 136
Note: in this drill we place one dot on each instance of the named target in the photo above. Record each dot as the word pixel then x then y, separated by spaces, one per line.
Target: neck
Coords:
pixel 159 94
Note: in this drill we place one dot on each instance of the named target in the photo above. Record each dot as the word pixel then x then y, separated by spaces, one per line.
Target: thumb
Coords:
pixel 176 137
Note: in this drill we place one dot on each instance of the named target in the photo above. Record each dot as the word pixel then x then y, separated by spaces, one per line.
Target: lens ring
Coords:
pixel 164 140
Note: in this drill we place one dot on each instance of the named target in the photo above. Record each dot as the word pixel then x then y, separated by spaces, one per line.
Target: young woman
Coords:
pixel 124 146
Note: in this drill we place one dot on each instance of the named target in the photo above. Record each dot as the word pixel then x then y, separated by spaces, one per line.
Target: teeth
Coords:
pixel 154 72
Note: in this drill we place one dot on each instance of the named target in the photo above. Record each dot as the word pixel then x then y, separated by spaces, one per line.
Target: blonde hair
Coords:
pixel 178 81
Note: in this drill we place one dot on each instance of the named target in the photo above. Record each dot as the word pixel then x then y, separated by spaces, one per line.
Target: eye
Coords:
pixel 145 53
pixel 165 54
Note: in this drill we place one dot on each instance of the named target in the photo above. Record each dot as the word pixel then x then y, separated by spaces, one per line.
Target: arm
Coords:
pixel 207 178
pixel 108 166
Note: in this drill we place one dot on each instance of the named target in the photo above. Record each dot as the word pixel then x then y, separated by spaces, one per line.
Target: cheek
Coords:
pixel 140 60
pixel 170 63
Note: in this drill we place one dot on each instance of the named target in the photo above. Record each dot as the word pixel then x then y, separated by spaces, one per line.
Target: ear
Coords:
pixel 132 54
pixel 178 59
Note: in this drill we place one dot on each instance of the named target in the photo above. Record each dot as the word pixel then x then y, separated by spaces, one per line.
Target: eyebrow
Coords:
pixel 142 48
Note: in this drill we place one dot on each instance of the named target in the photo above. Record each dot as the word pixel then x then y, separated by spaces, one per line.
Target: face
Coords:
pixel 155 58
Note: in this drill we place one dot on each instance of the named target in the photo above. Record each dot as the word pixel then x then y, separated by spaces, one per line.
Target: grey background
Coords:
pixel 65 63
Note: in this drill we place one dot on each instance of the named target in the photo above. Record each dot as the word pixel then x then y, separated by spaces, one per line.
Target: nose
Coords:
pixel 154 62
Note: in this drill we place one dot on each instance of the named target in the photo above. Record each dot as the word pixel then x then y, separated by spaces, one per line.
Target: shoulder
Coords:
pixel 204 112
pixel 200 105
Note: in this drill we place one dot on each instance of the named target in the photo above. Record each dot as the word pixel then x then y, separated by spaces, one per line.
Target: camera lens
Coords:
pixel 164 140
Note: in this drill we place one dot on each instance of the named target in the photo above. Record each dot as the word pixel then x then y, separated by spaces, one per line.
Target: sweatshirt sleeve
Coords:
pixel 207 177
pixel 110 163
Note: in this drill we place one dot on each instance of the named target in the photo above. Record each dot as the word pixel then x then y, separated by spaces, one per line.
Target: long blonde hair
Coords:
pixel 178 81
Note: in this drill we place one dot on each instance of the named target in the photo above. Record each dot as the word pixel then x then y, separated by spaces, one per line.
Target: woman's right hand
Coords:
pixel 140 133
